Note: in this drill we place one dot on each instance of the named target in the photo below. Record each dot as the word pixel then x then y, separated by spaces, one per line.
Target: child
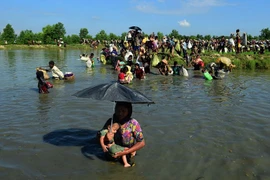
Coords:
pixel 107 142
pixel 139 73
pixel 121 76
pixel 129 75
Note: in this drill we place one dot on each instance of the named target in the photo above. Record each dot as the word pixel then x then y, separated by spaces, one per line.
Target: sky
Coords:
pixel 188 17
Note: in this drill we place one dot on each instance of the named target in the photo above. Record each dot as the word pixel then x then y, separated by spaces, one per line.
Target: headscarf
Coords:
pixel 115 119
pixel 129 75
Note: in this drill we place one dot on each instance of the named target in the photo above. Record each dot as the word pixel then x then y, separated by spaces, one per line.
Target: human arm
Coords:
pixel 101 141
pixel 47 70
pixel 161 71
pixel 132 138
pixel 136 147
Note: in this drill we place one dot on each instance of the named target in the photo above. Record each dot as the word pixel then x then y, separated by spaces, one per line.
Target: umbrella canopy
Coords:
pixel 135 28
pixel 115 92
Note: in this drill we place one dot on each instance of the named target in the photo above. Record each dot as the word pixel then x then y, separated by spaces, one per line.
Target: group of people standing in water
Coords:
pixel 122 136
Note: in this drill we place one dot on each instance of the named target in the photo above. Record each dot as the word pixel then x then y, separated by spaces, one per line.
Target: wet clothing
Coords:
pixel 139 73
pixel 129 133
pixel 176 70
pixel 121 77
pixel 114 147
pixel 43 86
pixel 56 73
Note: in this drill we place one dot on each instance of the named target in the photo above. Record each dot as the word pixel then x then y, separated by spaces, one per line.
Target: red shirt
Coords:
pixel 121 76
pixel 139 73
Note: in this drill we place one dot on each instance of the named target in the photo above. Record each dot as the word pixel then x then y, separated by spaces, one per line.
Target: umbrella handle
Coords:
pixel 112 117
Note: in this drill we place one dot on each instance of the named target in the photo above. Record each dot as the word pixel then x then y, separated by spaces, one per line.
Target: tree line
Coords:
pixel 51 33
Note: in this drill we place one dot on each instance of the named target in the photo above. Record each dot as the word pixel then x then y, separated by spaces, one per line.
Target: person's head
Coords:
pixel 175 63
pixel 114 127
pixel 39 75
pixel 91 55
pixel 51 64
pixel 125 69
pixel 198 56
pixel 123 111
pixel 137 66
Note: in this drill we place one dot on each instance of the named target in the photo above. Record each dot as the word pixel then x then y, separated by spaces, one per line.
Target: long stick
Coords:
pixel 112 117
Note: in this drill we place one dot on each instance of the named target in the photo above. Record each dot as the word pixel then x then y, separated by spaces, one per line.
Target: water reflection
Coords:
pixel 218 90
pixel 10 56
pixel 193 123
pixel 43 107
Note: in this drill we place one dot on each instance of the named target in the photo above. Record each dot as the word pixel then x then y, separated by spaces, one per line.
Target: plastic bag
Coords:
pixel 155 60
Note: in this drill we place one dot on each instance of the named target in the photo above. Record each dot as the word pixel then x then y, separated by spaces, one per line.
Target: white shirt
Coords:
pixel 56 73
pixel 231 41
pixel 89 63
pixel 127 55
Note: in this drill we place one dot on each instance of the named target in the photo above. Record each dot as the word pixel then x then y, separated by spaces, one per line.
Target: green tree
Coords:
pixel 25 36
pixel 207 37
pixel 39 36
pixel 89 37
pixel 53 33
pixel 83 33
pixel 249 37
pixel 59 31
pixel 199 36
pixel 48 34
pixel 8 34
pixel 265 34
pixel 102 36
pixel 113 36
pixel 175 34
pixel 73 39
pixel 123 35
pixel 160 35
pixel 192 37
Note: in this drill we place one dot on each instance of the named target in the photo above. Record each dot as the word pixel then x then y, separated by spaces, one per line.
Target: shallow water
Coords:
pixel 196 129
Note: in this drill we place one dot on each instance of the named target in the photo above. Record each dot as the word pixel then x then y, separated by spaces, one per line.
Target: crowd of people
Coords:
pixel 137 54
pixel 121 136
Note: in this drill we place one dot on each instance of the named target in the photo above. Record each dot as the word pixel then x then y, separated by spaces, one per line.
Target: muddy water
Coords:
pixel 196 129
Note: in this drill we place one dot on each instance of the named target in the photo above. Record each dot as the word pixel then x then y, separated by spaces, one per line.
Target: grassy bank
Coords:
pixel 47 46
pixel 247 60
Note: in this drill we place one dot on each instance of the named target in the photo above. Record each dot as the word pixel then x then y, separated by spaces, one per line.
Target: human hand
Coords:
pixel 119 154
pixel 105 148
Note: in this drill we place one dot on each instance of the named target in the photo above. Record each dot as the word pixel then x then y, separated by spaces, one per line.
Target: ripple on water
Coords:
pixel 196 128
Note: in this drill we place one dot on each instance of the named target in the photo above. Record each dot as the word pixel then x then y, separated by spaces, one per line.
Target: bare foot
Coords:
pixel 133 154
pixel 127 165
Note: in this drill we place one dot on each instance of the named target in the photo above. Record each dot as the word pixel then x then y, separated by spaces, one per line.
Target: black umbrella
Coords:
pixel 114 92
pixel 135 28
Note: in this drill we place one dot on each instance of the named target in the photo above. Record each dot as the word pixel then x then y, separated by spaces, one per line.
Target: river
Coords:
pixel 196 129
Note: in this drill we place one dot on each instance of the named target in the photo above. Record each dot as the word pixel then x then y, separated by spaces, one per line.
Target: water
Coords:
pixel 196 129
